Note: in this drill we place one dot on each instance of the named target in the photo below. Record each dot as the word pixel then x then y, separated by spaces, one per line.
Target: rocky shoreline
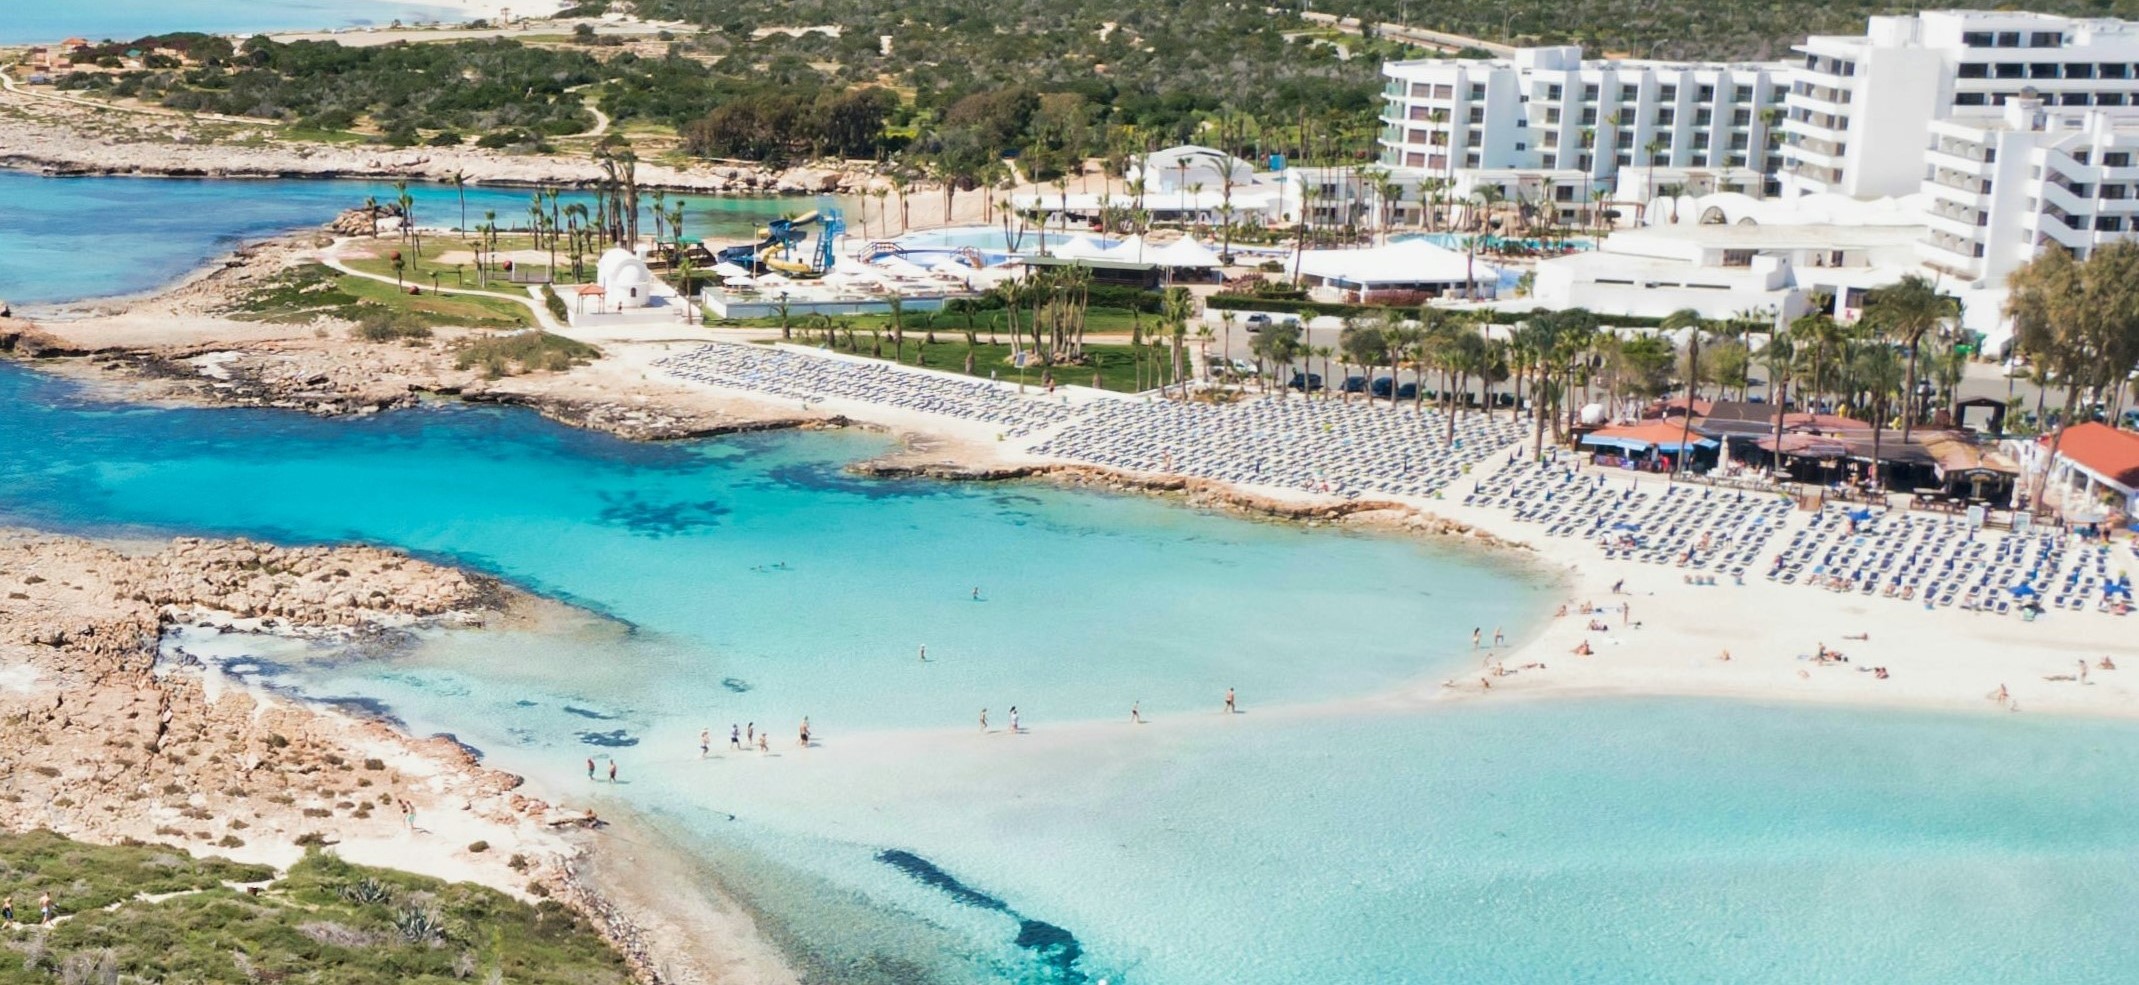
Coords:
pixel 173 147
pixel 105 741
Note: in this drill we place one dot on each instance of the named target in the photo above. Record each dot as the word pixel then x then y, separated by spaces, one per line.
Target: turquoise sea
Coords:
pixel 64 239
pixel 125 20
pixel 1321 836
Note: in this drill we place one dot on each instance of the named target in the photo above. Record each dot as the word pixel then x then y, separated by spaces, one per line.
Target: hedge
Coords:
pixel 1310 309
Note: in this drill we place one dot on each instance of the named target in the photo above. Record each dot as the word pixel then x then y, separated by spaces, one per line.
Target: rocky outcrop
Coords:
pixel 54 148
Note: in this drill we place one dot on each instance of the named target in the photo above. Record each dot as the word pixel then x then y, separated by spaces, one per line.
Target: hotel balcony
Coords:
pixel 1959 163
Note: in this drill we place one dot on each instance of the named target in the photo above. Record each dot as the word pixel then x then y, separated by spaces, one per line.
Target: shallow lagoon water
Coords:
pixel 1320 837
pixel 64 239
pixel 126 20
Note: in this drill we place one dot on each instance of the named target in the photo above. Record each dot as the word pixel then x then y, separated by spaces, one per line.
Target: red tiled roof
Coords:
pixel 2104 450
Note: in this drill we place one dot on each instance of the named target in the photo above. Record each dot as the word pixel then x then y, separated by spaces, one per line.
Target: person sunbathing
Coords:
pixel 1583 650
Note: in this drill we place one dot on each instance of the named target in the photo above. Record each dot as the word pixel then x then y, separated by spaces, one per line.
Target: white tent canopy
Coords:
pixel 1078 248
pixel 1411 262
pixel 1186 252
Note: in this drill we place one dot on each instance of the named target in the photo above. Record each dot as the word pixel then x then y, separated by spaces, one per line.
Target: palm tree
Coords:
pixel 1175 307
pixel 1653 149
pixel 1364 343
pixel 460 188
pixel 1825 337
pixel 1877 373
pixel 1909 310
pixel 1691 320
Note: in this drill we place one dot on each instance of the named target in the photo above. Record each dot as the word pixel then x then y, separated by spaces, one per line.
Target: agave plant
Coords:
pixel 367 892
pixel 418 925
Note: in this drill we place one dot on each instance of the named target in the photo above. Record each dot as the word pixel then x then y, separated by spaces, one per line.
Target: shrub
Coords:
pixel 556 304
pixel 528 351
pixel 376 323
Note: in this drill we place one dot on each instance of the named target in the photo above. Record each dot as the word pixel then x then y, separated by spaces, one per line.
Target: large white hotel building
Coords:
pixel 1551 110
pixel 2017 129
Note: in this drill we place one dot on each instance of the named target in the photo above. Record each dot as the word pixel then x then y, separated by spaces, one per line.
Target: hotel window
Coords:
pixel 2109 99
pixel 2114 70
pixel 2008 39
pixel 1628 94
pixel 2045 39
pixel 1589 93
pixel 2109 223
pixel 2117 159
pixel 1705 94
pixel 1552 116
pixel 1975 70
pixel 1742 94
pixel 1976 39
pixel 1667 93
pixel 1742 118
pixel 1477 115
pixel 1477 90
pixel 2011 70
pixel 1589 116
pixel 2115 193
pixel 1470 160
pixel 1419 90
pixel 2079 70
pixel 1444 91
pixel 1552 92
pixel 1664 117
pixel 2042 70
pixel 1969 99
pixel 2072 99
pixel 1702 118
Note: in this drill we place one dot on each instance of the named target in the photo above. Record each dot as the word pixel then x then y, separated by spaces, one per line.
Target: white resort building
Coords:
pixel 1551 109
pixel 1861 107
pixel 1998 189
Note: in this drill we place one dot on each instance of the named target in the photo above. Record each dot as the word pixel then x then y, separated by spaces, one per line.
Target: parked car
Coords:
pixel 1354 384
pixel 1306 383
pixel 1256 322
pixel 1244 367
pixel 1409 391
pixel 1383 386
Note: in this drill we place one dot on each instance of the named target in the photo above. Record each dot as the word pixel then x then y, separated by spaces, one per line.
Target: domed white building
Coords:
pixel 625 280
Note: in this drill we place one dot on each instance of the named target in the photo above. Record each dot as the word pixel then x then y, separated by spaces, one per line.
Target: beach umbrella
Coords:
pixel 739 280
pixel 1623 525
pixel 2022 591
pixel 1860 515
pixel 727 269
pixel 2117 588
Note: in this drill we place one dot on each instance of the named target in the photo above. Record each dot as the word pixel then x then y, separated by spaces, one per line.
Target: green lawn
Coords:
pixel 307 291
pixel 326 922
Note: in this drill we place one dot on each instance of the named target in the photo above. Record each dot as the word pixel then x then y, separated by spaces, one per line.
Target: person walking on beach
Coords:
pixel 590 767
pixel 1136 715
pixel 764 743
pixel 924 653
pixel 750 734
pixel 1231 708
pixel 984 719
pixel 612 771
pixel 804 734
pixel 2083 671
pixel 1013 719
pixel 735 737
pixel 705 742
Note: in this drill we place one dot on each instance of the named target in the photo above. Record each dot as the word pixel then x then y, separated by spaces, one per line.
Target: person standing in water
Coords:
pixel 984 719
pixel 1136 715
pixel 750 734
pixel 924 653
pixel 1474 637
pixel 976 593
pixel 590 767
pixel 612 771
pixel 1500 639
pixel 705 742
pixel 1230 707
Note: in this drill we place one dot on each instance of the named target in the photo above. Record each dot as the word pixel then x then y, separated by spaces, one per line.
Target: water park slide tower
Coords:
pixel 780 244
